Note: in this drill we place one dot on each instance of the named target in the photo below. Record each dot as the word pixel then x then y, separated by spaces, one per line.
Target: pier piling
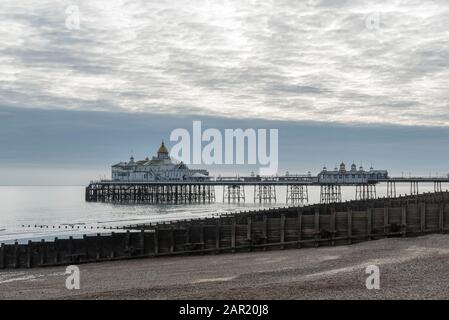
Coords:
pixel 297 194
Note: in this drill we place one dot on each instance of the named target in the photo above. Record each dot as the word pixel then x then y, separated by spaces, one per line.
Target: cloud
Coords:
pixel 85 144
pixel 317 60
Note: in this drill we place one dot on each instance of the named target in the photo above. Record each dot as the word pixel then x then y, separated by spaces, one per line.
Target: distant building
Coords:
pixel 342 176
pixel 159 168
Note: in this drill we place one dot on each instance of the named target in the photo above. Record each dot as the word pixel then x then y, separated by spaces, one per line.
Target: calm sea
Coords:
pixel 43 212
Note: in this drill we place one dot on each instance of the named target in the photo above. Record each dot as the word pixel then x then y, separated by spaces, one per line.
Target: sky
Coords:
pixel 82 83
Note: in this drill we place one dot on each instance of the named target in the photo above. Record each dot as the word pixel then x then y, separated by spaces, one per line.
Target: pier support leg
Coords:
pixel 391 189
pixel 151 193
pixel 297 194
pixel 233 193
pixel 265 193
pixel 330 193
pixel 365 192
pixel 414 188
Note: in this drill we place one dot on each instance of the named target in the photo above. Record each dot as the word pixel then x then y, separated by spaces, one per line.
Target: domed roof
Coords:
pixel 162 148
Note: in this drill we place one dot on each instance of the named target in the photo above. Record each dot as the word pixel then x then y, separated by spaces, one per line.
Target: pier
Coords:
pixel 264 189
pixel 162 180
pixel 150 192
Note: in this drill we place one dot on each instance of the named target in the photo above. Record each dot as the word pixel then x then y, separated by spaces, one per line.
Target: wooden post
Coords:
pixel 128 242
pixel 202 236
pixel 265 230
pixel 86 248
pixel 217 235
pixel 249 229
pixel 112 254
pixel 386 220
pixel 249 232
pixel 423 216
pixel 56 247
pixel 317 226
pixel 404 220
pixel 156 240
pixel 299 228
pixel 172 239
pixel 441 218
pixel 142 241
pixel 187 234
pixel 43 252
pixel 282 224
pixel 70 247
pixel 349 214
pixel 332 225
pixel 233 232
pixel 98 247
pixel 16 255
pixel 369 217
pixel 29 253
pixel 2 256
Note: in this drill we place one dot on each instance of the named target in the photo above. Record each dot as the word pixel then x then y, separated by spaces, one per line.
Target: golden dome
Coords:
pixel 162 148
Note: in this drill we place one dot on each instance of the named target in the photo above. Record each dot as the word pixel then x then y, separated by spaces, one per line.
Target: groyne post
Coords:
pixel 2 256
pixel 42 252
pixel 29 254
pixel 299 227
pixel 349 219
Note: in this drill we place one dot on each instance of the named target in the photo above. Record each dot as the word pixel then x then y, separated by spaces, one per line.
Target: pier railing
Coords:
pixel 269 229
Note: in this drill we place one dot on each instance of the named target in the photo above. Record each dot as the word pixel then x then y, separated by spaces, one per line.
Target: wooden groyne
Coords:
pixel 281 228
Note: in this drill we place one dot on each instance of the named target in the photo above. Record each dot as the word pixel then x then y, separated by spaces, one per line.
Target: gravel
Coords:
pixel 410 268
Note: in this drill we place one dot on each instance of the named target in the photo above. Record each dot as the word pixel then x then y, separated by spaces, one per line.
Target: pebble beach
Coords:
pixel 410 268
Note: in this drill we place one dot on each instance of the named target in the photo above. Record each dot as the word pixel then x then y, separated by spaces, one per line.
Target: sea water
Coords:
pixel 45 212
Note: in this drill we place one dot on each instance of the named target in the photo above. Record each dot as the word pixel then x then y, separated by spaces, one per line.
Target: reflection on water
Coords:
pixel 55 210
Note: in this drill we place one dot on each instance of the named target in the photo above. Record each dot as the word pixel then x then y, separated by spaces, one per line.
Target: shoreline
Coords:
pixel 309 226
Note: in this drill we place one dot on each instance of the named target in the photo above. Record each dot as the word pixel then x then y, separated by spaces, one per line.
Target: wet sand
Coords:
pixel 410 268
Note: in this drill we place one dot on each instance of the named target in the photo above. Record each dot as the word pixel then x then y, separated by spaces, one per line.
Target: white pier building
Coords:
pixel 159 168
pixel 354 176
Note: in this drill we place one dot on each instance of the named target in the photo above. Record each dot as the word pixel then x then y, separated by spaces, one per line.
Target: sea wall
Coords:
pixel 270 229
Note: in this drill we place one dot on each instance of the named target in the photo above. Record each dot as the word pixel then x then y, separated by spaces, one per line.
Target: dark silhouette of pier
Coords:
pixel 234 189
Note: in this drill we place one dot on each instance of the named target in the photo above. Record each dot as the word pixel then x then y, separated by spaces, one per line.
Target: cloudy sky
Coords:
pixel 321 62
